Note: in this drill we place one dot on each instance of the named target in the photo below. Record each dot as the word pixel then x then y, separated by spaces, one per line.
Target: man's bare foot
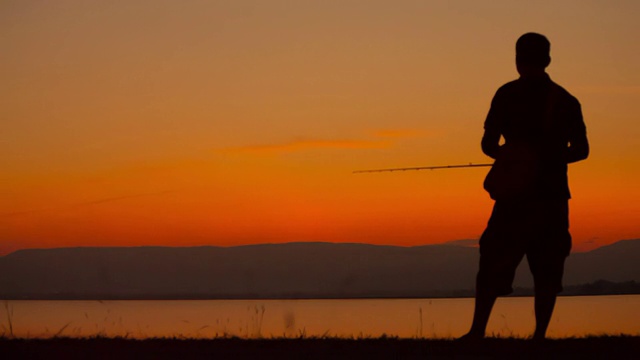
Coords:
pixel 471 336
pixel 538 338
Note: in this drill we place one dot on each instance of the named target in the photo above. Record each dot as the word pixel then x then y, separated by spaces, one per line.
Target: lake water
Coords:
pixel 408 318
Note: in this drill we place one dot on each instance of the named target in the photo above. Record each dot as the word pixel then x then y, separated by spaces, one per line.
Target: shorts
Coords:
pixel 537 228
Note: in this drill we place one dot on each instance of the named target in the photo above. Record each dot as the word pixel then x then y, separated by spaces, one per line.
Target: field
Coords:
pixel 603 347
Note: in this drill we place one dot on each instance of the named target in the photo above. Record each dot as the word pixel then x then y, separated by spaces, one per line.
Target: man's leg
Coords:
pixel 500 254
pixel 483 306
pixel 544 303
pixel 547 277
pixel 546 257
pixel 494 279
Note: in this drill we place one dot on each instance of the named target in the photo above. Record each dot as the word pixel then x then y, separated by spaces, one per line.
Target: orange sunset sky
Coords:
pixel 181 123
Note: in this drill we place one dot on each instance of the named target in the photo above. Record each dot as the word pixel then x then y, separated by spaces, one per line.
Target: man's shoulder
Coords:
pixel 561 91
pixel 508 87
pixel 505 92
pixel 562 94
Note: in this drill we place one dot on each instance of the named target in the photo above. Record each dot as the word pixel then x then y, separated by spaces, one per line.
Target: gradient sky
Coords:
pixel 148 122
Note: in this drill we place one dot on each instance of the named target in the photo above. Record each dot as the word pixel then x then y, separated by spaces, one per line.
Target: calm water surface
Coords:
pixel 430 318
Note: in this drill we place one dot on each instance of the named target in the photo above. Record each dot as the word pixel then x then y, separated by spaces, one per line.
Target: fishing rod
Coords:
pixel 469 165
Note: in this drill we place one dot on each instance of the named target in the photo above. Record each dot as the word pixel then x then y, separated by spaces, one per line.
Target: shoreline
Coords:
pixel 242 298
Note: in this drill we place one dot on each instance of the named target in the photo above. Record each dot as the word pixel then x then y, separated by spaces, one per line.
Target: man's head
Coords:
pixel 532 54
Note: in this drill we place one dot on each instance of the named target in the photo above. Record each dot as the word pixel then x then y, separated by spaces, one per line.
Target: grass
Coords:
pixel 602 347
pixel 295 343
pixel 9 311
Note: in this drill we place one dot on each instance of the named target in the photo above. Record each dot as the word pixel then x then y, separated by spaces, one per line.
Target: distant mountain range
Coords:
pixel 292 270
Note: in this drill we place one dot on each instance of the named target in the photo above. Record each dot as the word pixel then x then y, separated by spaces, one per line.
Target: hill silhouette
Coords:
pixel 292 270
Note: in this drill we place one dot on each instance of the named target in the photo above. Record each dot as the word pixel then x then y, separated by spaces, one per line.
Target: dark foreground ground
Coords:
pixel 614 347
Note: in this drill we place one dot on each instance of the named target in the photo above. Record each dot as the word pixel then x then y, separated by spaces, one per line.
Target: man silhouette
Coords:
pixel 543 131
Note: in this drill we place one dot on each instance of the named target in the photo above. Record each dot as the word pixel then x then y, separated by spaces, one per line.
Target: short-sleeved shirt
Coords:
pixel 542 116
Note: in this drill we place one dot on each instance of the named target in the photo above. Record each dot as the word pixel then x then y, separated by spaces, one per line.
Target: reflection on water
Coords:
pixel 429 318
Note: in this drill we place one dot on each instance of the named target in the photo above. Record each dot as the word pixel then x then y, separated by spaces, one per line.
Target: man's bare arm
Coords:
pixel 578 143
pixel 578 149
pixel 491 143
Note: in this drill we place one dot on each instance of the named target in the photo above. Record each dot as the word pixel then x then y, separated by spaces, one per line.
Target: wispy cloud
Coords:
pixel 299 145
pixel 20 213
pixel 608 89
pixel 124 197
pixel 83 204
pixel 397 133
pixel 376 139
